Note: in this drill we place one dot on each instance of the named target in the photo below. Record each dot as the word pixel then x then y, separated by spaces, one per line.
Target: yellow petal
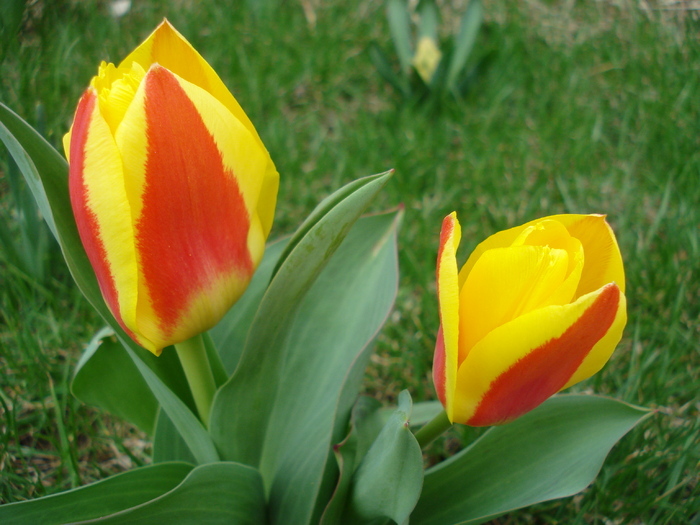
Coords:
pixel 509 282
pixel 448 296
pixel 105 199
pixel 603 259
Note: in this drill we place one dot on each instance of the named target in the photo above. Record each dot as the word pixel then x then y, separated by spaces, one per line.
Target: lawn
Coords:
pixel 588 107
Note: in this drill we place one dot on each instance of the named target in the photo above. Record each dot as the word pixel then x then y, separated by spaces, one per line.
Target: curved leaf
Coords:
pixel 116 493
pixel 218 493
pixel 241 411
pixel 552 452
pixel 388 481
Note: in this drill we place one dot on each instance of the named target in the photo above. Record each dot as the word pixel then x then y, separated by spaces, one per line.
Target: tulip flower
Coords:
pixel 534 310
pixel 172 190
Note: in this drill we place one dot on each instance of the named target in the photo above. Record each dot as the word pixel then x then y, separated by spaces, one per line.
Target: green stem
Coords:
pixel 194 360
pixel 433 429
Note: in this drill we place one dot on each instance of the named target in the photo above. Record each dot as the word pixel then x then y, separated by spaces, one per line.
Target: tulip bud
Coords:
pixel 172 190
pixel 534 310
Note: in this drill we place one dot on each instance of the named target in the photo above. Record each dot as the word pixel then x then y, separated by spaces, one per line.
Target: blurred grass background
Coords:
pixel 584 107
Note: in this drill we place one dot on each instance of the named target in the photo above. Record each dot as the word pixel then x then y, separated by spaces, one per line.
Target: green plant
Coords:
pixel 428 68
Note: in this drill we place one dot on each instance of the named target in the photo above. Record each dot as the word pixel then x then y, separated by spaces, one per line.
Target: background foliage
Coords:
pixel 584 107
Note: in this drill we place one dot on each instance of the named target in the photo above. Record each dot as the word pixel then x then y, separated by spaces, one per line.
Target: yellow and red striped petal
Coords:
pixel 197 239
pixel 168 48
pixel 519 365
pixel 102 210
pixel 447 348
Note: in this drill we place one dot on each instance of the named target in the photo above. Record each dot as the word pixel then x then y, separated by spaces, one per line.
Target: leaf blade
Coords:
pixel 552 452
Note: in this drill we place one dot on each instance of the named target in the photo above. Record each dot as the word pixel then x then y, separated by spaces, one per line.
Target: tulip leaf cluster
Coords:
pixel 428 68
pixel 255 410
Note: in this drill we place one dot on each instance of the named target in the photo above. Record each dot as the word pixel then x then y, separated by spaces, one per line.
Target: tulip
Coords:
pixel 172 190
pixel 534 310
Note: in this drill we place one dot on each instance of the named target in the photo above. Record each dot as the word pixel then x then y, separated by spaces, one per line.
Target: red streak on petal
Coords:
pixel 545 370
pixel 446 232
pixel 194 223
pixel 85 218
pixel 439 372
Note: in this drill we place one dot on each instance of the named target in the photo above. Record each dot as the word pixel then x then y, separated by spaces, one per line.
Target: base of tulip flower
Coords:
pixel 195 363
pixel 433 429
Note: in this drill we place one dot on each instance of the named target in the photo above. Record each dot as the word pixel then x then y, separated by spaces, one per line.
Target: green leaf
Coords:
pixel 552 452
pixel 321 357
pixel 365 425
pixel 325 355
pixel 400 29
pixel 388 482
pixel 464 43
pixel 230 334
pixel 116 493
pixel 324 208
pixel 106 377
pixel 242 407
pixel 222 493
pixel 429 20
pixel 168 444
pixel 215 363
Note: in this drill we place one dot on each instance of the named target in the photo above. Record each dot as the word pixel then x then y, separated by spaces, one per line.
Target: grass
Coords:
pixel 582 107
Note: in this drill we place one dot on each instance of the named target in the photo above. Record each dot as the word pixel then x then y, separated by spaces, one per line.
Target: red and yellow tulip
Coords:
pixel 534 310
pixel 172 190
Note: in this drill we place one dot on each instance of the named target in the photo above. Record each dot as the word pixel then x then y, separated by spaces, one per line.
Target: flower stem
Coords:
pixel 433 429
pixel 193 357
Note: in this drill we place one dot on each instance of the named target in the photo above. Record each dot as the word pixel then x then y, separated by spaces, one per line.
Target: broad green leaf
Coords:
pixel 106 377
pixel 116 493
pixel 326 352
pixel 464 43
pixel 230 334
pixel 242 407
pixel 222 493
pixel 388 481
pixel 429 20
pixel 365 425
pixel 168 444
pixel 552 452
pixel 400 29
